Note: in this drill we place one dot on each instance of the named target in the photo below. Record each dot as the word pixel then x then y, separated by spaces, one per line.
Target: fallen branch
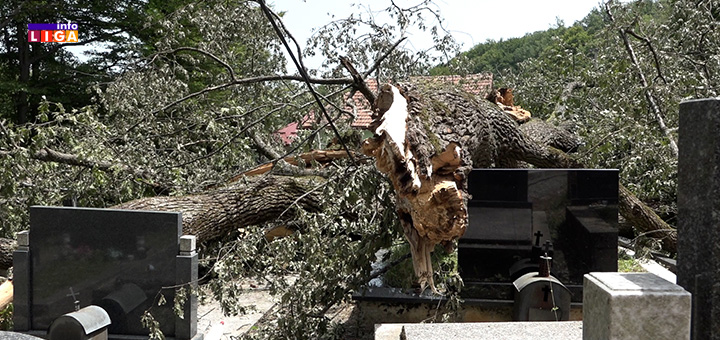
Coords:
pixel 216 213
pixel 50 155
pixel 319 156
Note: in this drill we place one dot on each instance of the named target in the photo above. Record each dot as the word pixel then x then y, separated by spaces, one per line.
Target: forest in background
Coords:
pixel 583 77
pixel 174 106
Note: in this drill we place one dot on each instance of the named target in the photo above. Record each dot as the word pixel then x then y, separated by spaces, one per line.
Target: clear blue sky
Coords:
pixel 470 22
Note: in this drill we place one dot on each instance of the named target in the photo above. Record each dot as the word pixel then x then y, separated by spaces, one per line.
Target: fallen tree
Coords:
pixel 428 138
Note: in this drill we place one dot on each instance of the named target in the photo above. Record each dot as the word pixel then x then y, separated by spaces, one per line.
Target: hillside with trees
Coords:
pixel 186 97
pixel 616 78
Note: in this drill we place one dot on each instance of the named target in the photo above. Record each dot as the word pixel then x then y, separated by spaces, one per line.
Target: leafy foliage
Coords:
pixel 320 264
pixel 6 320
pixel 179 117
pixel 364 37
pixel 582 77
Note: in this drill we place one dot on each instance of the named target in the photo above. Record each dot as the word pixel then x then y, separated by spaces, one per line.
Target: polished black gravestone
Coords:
pixel 514 215
pixel 119 260
pixel 698 259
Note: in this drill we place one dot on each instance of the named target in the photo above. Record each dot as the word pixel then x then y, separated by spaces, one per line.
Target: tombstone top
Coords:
pixel 634 282
pixel 493 330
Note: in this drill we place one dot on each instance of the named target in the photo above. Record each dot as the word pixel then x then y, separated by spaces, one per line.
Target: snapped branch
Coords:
pixel 50 155
pixel 643 81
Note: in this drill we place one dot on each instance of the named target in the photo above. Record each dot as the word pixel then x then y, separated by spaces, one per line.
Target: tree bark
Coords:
pixel 546 133
pixel 217 213
pixel 7 246
pixel 646 220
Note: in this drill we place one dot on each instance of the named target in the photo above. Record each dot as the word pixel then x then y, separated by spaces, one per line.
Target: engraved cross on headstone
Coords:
pixel 75 299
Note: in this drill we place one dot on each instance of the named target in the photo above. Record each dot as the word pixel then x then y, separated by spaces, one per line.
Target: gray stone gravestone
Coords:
pixel 698 260
pixel 120 260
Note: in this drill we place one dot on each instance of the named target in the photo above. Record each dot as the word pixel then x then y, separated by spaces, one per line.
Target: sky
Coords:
pixel 470 21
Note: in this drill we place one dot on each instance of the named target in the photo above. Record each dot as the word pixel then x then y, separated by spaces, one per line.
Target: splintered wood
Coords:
pixel 430 203
pixel 503 97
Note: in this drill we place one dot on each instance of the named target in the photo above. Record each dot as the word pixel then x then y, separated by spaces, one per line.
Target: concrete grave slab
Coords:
pixel 566 330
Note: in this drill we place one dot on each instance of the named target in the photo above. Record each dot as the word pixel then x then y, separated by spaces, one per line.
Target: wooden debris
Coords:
pixel 503 97
pixel 278 232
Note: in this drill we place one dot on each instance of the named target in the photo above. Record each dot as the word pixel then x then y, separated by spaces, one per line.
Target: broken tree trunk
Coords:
pixel 427 139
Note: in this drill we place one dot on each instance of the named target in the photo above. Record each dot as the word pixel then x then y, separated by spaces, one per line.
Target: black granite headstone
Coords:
pixel 117 259
pixel 596 240
pixel 698 259
pixel 506 185
pixel 589 186
pixel 513 209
